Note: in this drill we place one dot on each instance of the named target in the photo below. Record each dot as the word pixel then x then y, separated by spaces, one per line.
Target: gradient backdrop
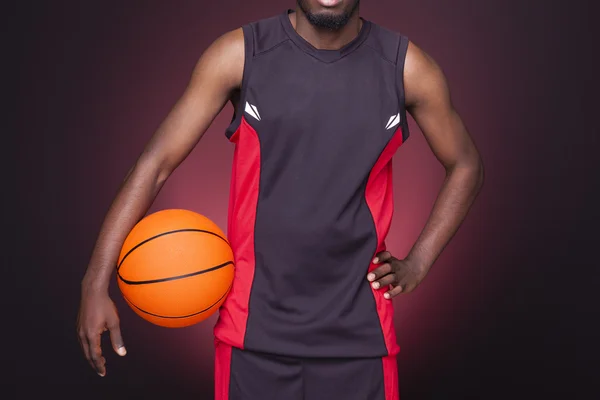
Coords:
pixel 509 309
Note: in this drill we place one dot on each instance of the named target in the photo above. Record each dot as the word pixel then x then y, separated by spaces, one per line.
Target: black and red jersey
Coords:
pixel 311 192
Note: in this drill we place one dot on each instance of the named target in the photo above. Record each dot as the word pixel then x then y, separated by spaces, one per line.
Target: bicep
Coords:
pixel 215 77
pixel 429 103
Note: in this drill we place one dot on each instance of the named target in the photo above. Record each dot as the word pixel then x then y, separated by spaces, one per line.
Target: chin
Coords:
pixel 329 14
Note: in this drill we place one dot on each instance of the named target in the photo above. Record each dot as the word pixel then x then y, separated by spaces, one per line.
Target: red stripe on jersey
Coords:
pixel 243 197
pixel 222 370
pixel 379 197
pixel 390 378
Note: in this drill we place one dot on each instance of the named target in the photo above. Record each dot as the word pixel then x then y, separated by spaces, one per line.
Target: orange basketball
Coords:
pixel 175 268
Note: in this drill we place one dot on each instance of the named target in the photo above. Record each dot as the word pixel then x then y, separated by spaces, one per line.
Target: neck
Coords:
pixel 325 39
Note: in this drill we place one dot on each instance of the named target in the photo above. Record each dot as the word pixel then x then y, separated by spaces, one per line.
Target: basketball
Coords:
pixel 175 268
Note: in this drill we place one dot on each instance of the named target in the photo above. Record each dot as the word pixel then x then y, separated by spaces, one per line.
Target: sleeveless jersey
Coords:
pixel 311 192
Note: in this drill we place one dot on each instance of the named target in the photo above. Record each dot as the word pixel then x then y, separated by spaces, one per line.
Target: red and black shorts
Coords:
pixel 247 375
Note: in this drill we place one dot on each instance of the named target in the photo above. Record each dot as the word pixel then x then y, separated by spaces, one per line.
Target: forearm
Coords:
pixel 134 198
pixel 458 192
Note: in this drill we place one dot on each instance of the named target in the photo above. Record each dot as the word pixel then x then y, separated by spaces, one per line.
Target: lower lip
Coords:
pixel 329 3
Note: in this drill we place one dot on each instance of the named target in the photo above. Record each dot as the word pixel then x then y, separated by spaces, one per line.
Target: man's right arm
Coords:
pixel 215 77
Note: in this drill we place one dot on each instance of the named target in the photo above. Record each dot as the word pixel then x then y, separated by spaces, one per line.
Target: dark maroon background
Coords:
pixel 509 309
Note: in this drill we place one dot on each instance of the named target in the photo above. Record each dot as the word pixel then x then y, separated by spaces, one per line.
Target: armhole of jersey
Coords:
pixel 238 112
pixel 400 58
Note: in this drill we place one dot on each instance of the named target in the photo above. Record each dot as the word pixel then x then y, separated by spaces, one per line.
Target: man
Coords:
pixel 321 98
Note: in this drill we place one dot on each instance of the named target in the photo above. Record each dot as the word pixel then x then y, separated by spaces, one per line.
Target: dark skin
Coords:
pixel 428 101
pixel 216 80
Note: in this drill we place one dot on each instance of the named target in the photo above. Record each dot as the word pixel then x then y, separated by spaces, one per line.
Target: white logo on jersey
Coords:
pixel 252 110
pixel 394 120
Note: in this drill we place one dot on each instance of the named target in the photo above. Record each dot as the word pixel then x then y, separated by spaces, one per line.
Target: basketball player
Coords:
pixel 320 98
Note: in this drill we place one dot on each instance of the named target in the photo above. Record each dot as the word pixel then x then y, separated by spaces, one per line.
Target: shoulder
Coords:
pixel 222 61
pixel 227 55
pixel 265 34
pixel 422 76
pixel 229 45
pixel 424 79
pixel 389 44
pixel 418 61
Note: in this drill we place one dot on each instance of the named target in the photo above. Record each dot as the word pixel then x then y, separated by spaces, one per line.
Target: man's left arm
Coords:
pixel 427 99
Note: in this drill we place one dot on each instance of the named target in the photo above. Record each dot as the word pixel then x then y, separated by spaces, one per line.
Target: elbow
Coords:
pixel 153 171
pixel 471 171
pixel 477 172
pixel 481 176
pixel 162 174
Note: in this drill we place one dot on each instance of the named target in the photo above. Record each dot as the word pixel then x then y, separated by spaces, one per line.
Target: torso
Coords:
pixel 315 131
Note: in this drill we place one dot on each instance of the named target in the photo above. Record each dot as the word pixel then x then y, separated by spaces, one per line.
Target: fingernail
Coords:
pixel 371 277
pixel 375 285
pixel 386 295
pixel 375 260
pixel 121 351
pixel 101 374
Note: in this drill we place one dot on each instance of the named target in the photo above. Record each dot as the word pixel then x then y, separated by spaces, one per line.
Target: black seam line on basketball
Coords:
pixel 183 316
pixel 168 233
pixel 174 278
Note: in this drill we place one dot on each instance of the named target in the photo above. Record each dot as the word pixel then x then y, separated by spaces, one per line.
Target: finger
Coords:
pixel 83 342
pixel 117 339
pixel 394 292
pixel 96 354
pixel 379 272
pixel 385 281
pixel 382 257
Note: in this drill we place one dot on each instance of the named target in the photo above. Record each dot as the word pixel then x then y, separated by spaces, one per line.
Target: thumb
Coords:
pixel 117 339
